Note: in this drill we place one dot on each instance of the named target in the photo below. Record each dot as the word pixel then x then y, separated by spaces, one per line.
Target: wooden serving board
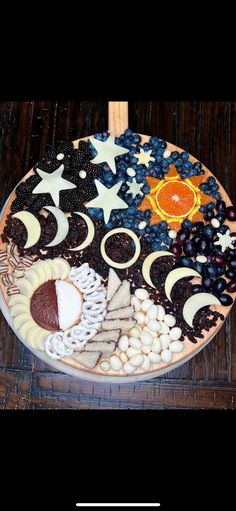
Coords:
pixel 118 122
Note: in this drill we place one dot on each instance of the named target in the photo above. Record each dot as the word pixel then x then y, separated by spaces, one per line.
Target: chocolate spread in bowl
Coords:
pixel 43 306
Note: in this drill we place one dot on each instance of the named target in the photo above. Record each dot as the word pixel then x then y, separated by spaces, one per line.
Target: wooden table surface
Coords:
pixel 205 129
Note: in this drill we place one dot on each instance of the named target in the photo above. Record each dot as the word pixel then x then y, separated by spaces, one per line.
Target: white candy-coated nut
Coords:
pixel 164 328
pixel 132 351
pixel 115 363
pixel 156 346
pixel 160 312
pixel 135 343
pixel 82 174
pixel 146 320
pixel 172 234
pixel 146 363
pixel 165 341
pixel 142 225
pixel 136 303
pixel 175 333
pixel 128 368
pixel 123 357
pixel 154 357
pixel 146 304
pixel 136 360
pixel 105 366
pixel 146 329
pixel 60 156
pixel 135 332
pixel 141 294
pixel 146 338
pixel 201 259
pixel 154 325
pixel 146 349
pixel 123 343
pixel 169 320
pixel 215 223
pixel 152 312
pixel 131 172
pixel 166 153
pixel 176 346
pixel 166 356
pixel 139 316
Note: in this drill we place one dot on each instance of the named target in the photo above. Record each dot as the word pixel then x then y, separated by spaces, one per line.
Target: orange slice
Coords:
pixel 176 199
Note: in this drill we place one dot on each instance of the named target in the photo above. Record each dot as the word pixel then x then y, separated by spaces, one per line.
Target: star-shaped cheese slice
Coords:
pixel 144 157
pixel 107 199
pixel 135 188
pixel 225 240
pixel 53 183
pixel 107 151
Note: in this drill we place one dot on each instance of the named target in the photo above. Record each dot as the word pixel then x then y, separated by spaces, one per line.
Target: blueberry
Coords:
pixel 203 247
pixel 196 288
pixel 210 270
pixel 225 299
pixel 217 196
pixel 175 155
pixel 187 224
pixel 197 165
pixel 163 225
pixel 222 229
pixel 202 209
pixel 185 261
pixel 220 217
pixel 163 144
pixel 208 231
pixel 156 246
pixel 219 286
pixel 198 267
pixel 146 189
pixel 211 180
pixel 128 133
pixel 184 155
pixel 207 283
pixel 208 215
pixel 210 205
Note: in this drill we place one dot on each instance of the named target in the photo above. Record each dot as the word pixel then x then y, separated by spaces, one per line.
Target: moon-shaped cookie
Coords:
pixel 196 302
pixel 90 235
pixel 147 263
pixel 62 225
pixel 175 275
pixel 32 226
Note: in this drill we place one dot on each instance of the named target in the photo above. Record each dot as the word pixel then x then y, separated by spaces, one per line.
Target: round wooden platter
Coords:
pixel 118 122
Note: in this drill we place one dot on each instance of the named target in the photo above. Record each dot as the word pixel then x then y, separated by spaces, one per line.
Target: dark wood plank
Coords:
pixel 207 130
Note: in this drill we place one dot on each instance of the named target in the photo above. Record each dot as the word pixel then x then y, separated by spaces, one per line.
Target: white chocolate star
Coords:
pixel 144 157
pixel 107 151
pixel 107 199
pixel 135 188
pixel 225 240
pixel 53 183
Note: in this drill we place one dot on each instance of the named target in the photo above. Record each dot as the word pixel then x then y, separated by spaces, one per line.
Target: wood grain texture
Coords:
pixel 208 131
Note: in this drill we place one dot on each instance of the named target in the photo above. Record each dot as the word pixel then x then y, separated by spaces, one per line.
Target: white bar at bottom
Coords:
pixel 116 504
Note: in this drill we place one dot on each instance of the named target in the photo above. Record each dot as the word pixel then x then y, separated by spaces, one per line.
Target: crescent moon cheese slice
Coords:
pixel 132 235
pixel 62 225
pixel 90 235
pixel 32 226
pixel 175 275
pixel 196 302
pixel 147 263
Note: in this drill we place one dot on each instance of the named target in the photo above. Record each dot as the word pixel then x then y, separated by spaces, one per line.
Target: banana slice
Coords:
pixel 39 269
pixel 21 319
pixel 33 278
pixel 35 337
pixel 26 327
pixel 14 299
pixel 47 270
pixel 64 267
pixel 19 308
pixel 25 287
pixel 56 273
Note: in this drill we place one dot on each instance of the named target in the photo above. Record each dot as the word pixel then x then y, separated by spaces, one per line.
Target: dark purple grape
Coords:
pixel 189 248
pixel 231 287
pixel 220 271
pixel 196 288
pixel 225 299
pixel 197 227
pixel 230 274
pixel 221 206
pixel 219 286
pixel 182 235
pixel 198 267
pixel 207 282
pixel 209 215
pixel 219 260
pixel 209 258
pixel 231 213
pixel 176 249
pixel 210 270
pixel 208 231
pixel 232 264
pixel 220 217
pixel 203 246
pixel 185 261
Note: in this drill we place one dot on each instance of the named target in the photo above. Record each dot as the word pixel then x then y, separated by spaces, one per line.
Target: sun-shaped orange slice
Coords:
pixel 176 199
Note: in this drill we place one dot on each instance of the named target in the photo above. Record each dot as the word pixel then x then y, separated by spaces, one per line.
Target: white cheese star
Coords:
pixel 53 183
pixel 135 188
pixel 144 157
pixel 225 240
pixel 107 199
pixel 107 151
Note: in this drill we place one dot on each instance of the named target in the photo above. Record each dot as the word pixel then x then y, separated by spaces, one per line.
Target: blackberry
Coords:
pixel 89 192
pixel 17 205
pixel 47 165
pixel 65 147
